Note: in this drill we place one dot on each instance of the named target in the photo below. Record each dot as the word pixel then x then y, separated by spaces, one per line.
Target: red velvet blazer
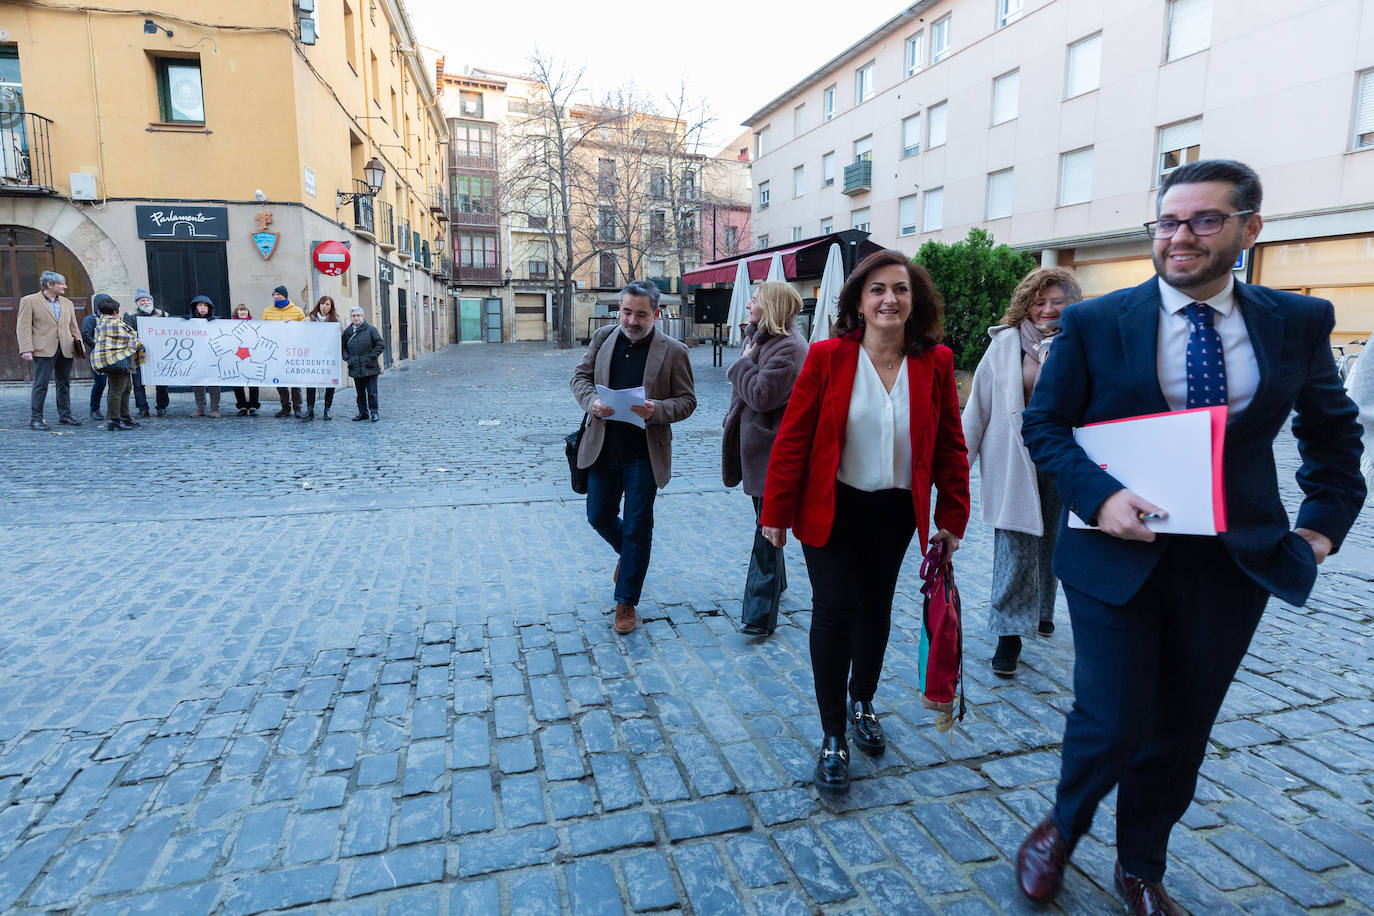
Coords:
pixel 800 489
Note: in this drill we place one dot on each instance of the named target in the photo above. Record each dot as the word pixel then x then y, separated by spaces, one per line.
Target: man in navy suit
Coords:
pixel 1161 623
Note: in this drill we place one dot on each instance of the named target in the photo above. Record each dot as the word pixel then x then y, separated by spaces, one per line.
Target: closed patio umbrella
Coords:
pixel 831 282
pixel 739 303
pixel 776 274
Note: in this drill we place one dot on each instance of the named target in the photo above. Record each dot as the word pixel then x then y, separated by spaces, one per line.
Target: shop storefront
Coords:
pixel 1338 269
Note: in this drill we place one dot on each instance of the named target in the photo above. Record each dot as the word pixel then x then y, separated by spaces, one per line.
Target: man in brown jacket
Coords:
pixel 49 336
pixel 623 457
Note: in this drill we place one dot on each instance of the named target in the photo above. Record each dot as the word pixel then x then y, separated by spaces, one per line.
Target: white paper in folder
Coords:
pixel 1166 459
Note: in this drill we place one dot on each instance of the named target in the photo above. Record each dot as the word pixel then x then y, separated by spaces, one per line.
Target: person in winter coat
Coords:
pixel 760 385
pixel 202 307
pixel 98 379
pixel 324 310
pixel 245 396
pixel 144 307
pixel 1020 502
pixel 118 352
pixel 282 309
pixel 363 347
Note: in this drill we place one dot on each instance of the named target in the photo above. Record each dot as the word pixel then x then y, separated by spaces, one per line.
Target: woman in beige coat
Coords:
pixel 1020 503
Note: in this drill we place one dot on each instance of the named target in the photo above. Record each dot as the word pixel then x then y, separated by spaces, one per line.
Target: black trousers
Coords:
pixel 246 397
pixel 366 388
pixel 853 578
pixel 766 579
pixel 328 398
pixel 56 368
pixel 1149 679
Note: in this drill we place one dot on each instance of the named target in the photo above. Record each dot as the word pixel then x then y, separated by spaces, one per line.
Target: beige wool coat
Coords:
pixel 667 382
pixel 992 432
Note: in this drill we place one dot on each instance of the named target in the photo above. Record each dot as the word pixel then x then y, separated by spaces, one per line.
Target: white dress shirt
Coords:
pixel 1171 359
pixel 877 438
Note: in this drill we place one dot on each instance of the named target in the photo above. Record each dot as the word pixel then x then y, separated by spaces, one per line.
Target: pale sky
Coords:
pixel 737 55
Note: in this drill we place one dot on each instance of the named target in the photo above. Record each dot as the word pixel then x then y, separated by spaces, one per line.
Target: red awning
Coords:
pixel 723 271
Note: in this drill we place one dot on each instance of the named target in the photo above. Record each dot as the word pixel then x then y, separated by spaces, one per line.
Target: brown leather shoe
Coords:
pixel 1145 898
pixel 1041 860
pixel 624 617
pixel 198 412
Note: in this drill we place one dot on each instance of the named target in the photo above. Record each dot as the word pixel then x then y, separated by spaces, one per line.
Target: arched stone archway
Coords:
pixel 75 246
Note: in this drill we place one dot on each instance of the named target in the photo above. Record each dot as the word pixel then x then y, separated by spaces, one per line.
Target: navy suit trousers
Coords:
pixel 1149 679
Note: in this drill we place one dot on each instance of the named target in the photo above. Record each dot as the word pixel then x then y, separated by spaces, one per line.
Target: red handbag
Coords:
pixel 941 654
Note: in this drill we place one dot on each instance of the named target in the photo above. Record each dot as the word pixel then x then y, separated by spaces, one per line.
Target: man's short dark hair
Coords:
pixel 108 307
pixel 1246 192
pixel 641 288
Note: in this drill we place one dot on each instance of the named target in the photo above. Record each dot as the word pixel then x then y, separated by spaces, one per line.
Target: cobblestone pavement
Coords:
pixel 258 665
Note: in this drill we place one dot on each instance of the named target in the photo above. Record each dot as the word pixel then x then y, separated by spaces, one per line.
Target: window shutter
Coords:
pixel 907 216
pixel 999 194
pixel 1180 136
pixel 935 209
pixel 937 119
pixel 1005 90
pixel 1190 27
pixel 1085 66
pixel 1076 177
pixel 1364 113
pixel 911 135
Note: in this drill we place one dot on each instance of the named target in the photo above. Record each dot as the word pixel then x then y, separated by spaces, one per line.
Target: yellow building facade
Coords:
pixel 198 147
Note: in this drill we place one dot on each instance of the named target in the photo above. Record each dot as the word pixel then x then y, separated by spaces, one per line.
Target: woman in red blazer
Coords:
pixel 873 422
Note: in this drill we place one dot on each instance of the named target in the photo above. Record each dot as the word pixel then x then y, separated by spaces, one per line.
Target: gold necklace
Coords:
pixel 890 363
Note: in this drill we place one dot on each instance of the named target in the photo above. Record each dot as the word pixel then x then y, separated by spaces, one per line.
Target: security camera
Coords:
pixel 259 196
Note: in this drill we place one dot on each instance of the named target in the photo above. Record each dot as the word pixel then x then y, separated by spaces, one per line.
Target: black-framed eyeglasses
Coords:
pixel 1207 224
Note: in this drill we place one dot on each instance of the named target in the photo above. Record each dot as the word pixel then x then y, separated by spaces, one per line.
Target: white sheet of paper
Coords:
pixel 621 400
pixel 1165 459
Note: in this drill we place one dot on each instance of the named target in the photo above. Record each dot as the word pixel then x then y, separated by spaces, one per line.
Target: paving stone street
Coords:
pixel 258 665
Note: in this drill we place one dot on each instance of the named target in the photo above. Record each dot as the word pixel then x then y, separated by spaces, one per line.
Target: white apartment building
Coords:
pixel 1050 123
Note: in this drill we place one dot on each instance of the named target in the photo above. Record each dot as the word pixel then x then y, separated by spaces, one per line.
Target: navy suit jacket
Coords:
pixel 1102 367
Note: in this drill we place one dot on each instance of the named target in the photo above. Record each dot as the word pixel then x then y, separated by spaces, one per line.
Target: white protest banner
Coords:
pixel 227 352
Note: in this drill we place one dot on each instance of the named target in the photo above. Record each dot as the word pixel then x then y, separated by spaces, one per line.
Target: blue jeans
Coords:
pixel 631 535
pixel 98 381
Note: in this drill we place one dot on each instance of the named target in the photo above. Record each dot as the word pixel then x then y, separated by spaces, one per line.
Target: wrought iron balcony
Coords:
pixel 25 154
pixel 438 203
pixel 403 238
pixel 385 222
pixel 363 215
pixel 858 177
pixel 484 275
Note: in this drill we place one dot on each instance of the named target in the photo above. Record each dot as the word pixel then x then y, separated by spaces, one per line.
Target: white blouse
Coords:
pixel 877 438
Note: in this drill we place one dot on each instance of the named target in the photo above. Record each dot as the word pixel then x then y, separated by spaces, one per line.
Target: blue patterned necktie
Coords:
pixel 1206 364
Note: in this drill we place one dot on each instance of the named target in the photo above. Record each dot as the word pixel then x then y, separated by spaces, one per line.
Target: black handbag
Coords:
pixel 571 444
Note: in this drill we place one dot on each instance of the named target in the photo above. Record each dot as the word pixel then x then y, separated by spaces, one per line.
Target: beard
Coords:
pixel 1214 265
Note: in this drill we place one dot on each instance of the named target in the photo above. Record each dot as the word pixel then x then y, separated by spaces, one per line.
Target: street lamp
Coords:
pixel 374 172
pixel 508 276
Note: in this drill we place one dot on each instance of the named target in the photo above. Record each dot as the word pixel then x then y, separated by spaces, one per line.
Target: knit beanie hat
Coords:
pixel 283 292
pixel 142 293
pixel 95 302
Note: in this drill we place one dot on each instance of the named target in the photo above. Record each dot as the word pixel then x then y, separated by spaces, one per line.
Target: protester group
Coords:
pixel 108 338
pixel 844 440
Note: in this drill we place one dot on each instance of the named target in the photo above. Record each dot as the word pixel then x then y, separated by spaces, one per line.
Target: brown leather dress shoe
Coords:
pixel 1145 898
pixel 1041 860
pixel 624 617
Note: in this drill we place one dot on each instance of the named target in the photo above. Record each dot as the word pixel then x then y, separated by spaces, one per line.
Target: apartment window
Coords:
pixel 1085 66
pixel 860 221
pixel 1179 144
pixel 936 118
pixel 477 250
pixel 763 195
pixel 1190 27
pixel 470 104
pixel 906 220
pixel 658 226
pixel 1076 177
pixel 1006 90
pixel 863 84
pixel 606 270
pixel 827 225
pixel 797 234
pixel 472 194
pixel 935 210
pixel 799 181
pixel 863 149
pixel 763 240
pixel 999 194
pixel 827 170
pixel 939 40
pixel 376 80
pixel 828 103
pixel 1008 11
pixel 762 143
pixel 606 184
pixel 607 229
pixel 350 37
pixel 915 53
pixel 657 268
pixel 179 96
pixel 799 120
pixel 730 234
pixel 473 140
pixel 911 135
pixel 658 183
pixel 1364 113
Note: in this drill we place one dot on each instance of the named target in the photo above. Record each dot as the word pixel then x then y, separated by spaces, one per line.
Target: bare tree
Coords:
pixel 685 166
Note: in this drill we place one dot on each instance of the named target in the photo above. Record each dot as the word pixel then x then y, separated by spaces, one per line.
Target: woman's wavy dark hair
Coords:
pixel 924 327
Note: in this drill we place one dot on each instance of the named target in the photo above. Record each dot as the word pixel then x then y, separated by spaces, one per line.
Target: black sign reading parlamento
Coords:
pixel 182 221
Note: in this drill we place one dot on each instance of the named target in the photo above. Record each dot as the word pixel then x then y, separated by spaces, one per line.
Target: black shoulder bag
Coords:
pixel 571 444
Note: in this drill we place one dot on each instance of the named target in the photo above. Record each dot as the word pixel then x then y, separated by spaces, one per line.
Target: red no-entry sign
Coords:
pixel 331 258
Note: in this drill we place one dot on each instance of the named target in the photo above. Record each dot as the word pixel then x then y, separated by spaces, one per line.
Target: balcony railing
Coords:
pixel 403 238
pixel 858 177
pixel 466 161
pixel 480 216
pixel 385 222
pixel 363 217
pixel 445 271
pixel 25 154
pixel 479 274
pixel 438 203
pixel 538 270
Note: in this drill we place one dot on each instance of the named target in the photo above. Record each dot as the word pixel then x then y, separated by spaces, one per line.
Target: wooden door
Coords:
pixel 24 255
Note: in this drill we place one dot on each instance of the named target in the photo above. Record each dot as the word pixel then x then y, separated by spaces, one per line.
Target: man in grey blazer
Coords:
pixel 622 458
